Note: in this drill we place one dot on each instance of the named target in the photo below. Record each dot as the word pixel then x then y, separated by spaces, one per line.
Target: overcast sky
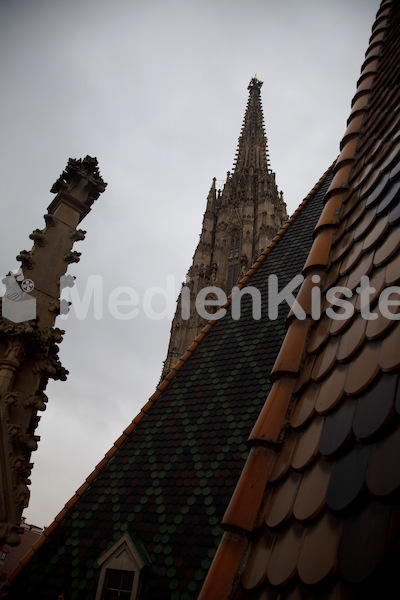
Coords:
pixel 157 91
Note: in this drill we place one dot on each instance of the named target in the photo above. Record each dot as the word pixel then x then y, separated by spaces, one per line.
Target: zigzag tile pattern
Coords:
pixel 169 482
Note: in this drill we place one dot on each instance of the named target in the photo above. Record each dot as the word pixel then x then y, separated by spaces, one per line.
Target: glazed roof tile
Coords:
pixel 331 501
pixel 168 479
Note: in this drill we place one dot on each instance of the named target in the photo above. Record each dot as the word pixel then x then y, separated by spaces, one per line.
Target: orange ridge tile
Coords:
pixel 119 441
pixel 68 505
pixel 130 428
pixel 16 573
pixel 305 294
pixel 84 487
pixel 47 532
pixel 369 68
pixel 64 510
pixel 348 150
pixel 320 250
pixel 342 172
pixel 359 105
pixel 90 478
pixel 224 567
pixel 100 466
pixel 270 421
pixel 382 22
pixel 353 130
pixel 290 355
pixel 331 211
pixel 246 502
pixel 25 559
pixel 377 36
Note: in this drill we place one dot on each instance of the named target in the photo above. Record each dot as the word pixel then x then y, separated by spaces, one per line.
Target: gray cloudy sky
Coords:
pixel 157 90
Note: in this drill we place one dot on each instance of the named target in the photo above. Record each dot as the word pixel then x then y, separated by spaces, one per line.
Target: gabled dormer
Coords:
pixel 122 570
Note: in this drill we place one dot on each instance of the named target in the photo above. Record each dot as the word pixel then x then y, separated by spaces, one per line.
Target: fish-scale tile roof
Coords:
pixel 323 519
pixel 168 479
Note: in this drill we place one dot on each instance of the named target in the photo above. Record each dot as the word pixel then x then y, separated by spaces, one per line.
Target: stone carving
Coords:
pixel 77 235
pixel 38 237
pixel 81 179
pixel 50 219
pixel 25 257
pixel 28 348
pixel 72 257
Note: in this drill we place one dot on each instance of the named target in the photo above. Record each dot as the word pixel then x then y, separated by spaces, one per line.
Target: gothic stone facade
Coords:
pixel 238 224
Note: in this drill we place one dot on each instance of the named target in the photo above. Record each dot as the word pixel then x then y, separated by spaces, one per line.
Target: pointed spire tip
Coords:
pixel 255 83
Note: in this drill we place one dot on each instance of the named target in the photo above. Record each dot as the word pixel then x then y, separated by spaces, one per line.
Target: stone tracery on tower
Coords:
pixel 239 222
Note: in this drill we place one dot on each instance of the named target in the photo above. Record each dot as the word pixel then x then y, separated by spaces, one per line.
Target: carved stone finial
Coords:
pixel 255 83
pixel 81 179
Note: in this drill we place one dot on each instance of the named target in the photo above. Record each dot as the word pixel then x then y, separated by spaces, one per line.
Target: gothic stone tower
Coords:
pixel 238 224
pixel 28 339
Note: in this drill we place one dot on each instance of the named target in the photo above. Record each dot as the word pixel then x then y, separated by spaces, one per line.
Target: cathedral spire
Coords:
pixel 252 147
pixel 239 222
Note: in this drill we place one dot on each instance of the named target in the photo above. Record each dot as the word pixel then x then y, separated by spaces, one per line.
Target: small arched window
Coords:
pixel 234 245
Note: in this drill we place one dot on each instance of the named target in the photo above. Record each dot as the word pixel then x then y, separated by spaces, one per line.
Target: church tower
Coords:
pixel 238 224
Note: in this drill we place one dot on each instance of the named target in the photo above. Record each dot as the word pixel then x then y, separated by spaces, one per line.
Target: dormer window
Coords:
pixel 118 584
pixel 122 568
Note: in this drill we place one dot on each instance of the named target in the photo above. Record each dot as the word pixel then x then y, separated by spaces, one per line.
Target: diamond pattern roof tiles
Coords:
pixel 168 479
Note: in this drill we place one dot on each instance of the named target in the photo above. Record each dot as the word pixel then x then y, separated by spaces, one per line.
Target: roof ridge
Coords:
pixel 246 502
pixel 163 385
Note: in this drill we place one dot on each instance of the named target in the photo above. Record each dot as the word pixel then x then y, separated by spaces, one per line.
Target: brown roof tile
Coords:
pixel 317 557
pixel 352 339
pixel 307 444
pixel 282 566
pixel 331 390
pixel 304 409
pixel 256 569
pixel 331 508
pixel 310 499
pixel 363 369
pixel 375 407
pixel 337 429
pixel 279 506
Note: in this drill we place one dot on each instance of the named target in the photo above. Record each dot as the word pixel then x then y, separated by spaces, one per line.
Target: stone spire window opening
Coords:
pixel 234 253
pixel 234 245
pixel 233 273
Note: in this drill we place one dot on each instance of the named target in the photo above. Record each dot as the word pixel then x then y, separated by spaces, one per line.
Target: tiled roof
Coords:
pixel 318 498
pixel 14 554
pixel 168 479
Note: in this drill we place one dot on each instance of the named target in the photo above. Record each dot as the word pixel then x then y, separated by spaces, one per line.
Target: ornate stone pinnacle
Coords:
pixel 81 179
pixel 255 83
